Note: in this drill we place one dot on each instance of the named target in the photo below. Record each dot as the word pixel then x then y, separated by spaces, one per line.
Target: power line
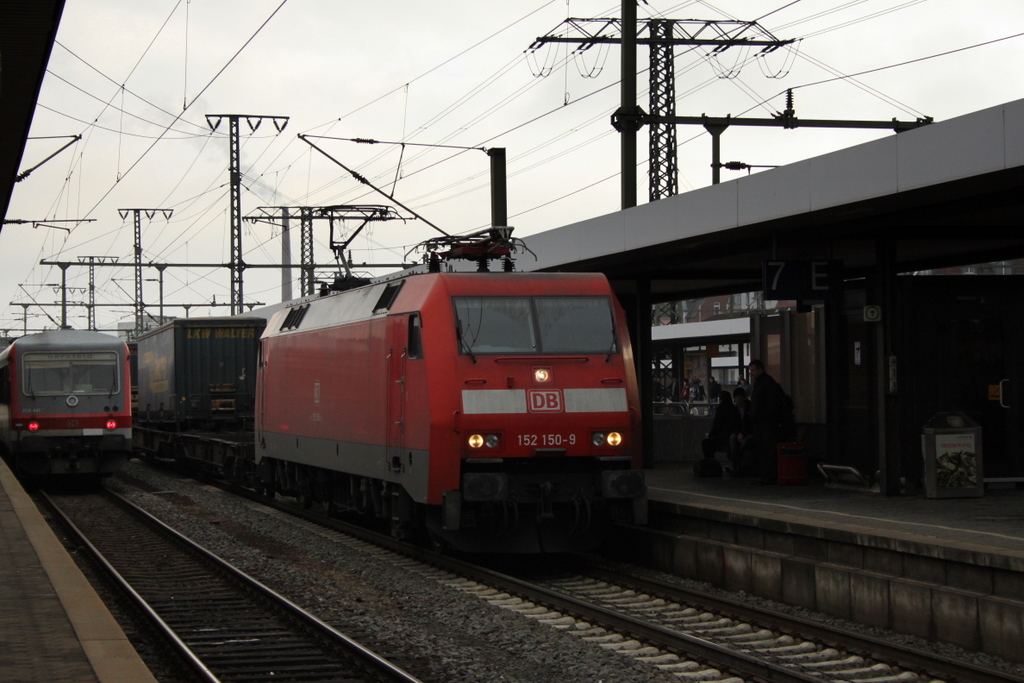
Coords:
pixel 910 61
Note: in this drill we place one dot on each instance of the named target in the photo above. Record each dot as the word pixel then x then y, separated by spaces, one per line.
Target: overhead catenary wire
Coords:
pixel 409 173
pixel 178 116
pixel 522 163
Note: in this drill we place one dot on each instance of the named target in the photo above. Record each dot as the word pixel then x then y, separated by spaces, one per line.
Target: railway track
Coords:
pixel 696 635
pixel 226 625
pixel 702 635
pixel 822 644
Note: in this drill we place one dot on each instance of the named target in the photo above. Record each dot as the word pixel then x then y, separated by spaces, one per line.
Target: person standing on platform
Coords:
pixel 766 410
pixel 714 390
pixel 726 423
pixel 741 453
pixel 697 390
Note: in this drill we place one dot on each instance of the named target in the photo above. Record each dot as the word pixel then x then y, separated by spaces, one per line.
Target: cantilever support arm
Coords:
pixel 24 174
pixel 366 182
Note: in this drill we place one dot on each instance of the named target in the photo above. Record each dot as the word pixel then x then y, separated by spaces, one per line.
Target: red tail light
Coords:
pixel 111 424
pixel 33 426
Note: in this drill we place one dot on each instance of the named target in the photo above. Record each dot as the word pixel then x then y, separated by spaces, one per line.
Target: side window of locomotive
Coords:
pixel 494 325
pixel 58 374
pixel 294 318
pixel 5 388
pixel 387 297
pixel 415 336
pixel 577 324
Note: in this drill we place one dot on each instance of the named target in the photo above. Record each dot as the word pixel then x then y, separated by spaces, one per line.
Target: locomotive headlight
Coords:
pixel 481 440
pixel 542 374
pixel 609 439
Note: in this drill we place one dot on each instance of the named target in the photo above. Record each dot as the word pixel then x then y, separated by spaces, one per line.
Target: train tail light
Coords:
pixel 111 424
pixel 33 426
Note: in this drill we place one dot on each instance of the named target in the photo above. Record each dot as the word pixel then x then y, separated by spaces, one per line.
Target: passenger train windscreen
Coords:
pixel 67 373
pixel 535 325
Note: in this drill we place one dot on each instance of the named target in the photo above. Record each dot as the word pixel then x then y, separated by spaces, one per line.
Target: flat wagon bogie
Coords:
pixel 65 403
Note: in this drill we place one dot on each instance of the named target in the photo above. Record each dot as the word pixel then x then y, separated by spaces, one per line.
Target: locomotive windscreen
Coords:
pixel 66 373
pixel 534 325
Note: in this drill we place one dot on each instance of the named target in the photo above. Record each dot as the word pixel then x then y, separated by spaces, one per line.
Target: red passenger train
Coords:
pixel 65 404
pixel 499 412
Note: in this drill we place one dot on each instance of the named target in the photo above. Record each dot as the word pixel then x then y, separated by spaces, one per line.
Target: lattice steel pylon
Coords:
pixel 137 222
pixel 234 167
pixel 664 164
pixel 661 35
pixel 91 261
pixel 307 275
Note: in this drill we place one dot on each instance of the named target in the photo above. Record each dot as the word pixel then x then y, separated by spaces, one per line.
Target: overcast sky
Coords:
pixel 137 80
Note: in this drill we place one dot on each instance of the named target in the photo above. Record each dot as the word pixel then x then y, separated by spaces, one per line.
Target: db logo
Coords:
pixel 544 400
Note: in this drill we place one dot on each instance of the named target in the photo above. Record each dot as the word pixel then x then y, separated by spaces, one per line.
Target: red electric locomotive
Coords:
pixel 65 404
pixel 499 412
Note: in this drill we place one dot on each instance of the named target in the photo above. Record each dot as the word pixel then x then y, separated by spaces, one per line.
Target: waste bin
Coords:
pixel 951 447
pixel 792 458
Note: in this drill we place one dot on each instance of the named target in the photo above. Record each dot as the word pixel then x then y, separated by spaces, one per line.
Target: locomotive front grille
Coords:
pixel 550 479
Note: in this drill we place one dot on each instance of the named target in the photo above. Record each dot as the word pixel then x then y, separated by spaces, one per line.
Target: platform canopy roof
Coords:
pixel 27 31
pixel 947 194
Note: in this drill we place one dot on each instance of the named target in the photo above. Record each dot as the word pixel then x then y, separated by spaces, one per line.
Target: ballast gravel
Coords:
pixel 366 594
pixel 352 585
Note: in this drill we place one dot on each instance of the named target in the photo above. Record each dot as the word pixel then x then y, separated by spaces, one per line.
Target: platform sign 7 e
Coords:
pixel 800 280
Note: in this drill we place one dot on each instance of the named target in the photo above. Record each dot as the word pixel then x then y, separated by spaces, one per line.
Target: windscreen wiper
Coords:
pixel 462 340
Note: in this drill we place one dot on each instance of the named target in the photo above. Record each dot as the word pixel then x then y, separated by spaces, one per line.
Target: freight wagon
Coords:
pixel 199 373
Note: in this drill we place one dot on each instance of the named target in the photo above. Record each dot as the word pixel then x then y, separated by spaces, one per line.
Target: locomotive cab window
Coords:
pixel 58 374
pixel 534 325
